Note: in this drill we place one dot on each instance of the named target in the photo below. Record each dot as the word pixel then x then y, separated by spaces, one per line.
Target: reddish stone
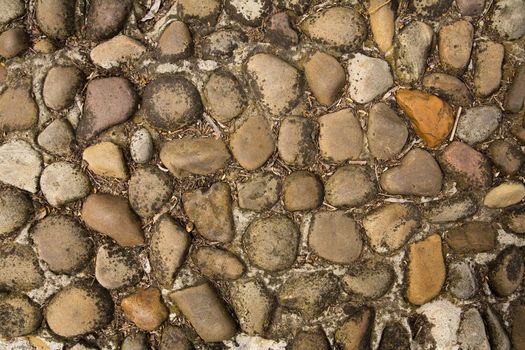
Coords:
pixel 280 32
pixel 470 166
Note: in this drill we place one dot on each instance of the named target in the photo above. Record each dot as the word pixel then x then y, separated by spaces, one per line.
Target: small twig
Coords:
pixel 377 8
pixel 455 125
pixel 214 126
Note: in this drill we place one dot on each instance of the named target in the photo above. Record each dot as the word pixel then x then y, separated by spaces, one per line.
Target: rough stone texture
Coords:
pixel 390 226
pixel 61 85
pixel 253 305
pixel 472 237
pixel 13 42
pixel 478 123
pixel 173 338
pixel 426 270
pixel 272 243
pixel 20 165
pixel 471 333
pixel 451 209
pixel 296 141
pixel 136 341
pixel 497 334
pixel 253 142
pixel 19 315
pixel 170 102
pixel 508 19
pixel 201 306
pixel 112 216
pixel 455 45
pixel 506 271
pixel 341 28
pixel 517 326
pixel 78 309
pixel 514 220
pixel 222 43
pixel 432 117
pixel 356 331
pixel 305 340
pixel 350 186
pixel 63 183
pixel 260 192
pixel 467 164
pixel 387 133
pixel 340 136
pixel 394 337
pixel 56 18
pixel 201 156
pixel 199 12
pixel 418 175
pixel 62 243
pixel 369 280
pixel 470 7
pixel 116 51
pixel 505 195
pixel 175 42
pixel 280 32
pixel 368 78
pixel 115 267
pixel 106 159
pixel 488 62
pixel 411 49
pixel 302 190
pixel 216 263
pixel 57 138
pixel 223 96
pixel 109 101
pixel 308 293
pixel 448 87
pixel 325 76
pixel 10 10
pixel 250 13
pixel 462 281
pixel 105 18
pixel 168 247
pixel 141 146
pixel 430 8
pixel 148 190
pixel 277 84
pixel 15 210
pixel 18 110
pixel 210 209
pixel 19 269
pixel 145 308
pixel 335 236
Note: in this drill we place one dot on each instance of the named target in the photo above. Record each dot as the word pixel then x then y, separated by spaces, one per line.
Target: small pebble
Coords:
pixel 175 42
pixel 478 123
pixel 141 146
pixel 505 195
pixel 223 96
pixel 106 159
pixel 61 85
pixel 57 138
pixel 340 136
pixel 472 237
pixel 15 210
pixel 368 78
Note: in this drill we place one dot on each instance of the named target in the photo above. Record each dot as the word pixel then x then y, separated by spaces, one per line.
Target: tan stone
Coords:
pixel 145 309
pixel 505 195
pixel 488 64
pixel 216 263
pixel 302 190
pixel 325 76
pixel 18 110
pixel 175 41
pixel 115 51
pixel 426 270
pixel 382 19
pixel 432 117
pixel 455 45
pixel 355 333
pixel 340 136
pixel 106 159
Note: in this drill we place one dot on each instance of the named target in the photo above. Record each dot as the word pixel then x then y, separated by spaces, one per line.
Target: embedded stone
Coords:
pixel 472 237
pixel 145 309
pixel 10 10
pixel 280 32
pixel 515 97
pixel 18 110
pixel 302 190
pixel 57 137
pixel 368 78
pixel 478 123
pixel 115 267
pixel 325 76
pixel 116 51
pixel 505 195
pixel 20 165
pixel 462 281
pixel 222 43
pixel 105 18
pixel 176 41
pixel 455 45
pixel 350 186
pixel 13 42
pixel 306 340
pixel 216 263
pixel 106 159
pixel 430 8
pixel 224 97
pixel 451 209
pixel 387 133
pixel 448 87
pixel 508 19
pixel 260 192
pixel 15 210
pixel 369 280
pixel 248 12
pixel 149 189
pixel 356 331
pixel 382 23
pixel 19 315
pixel 295 142
pixel 253 305
pixel 200 12
pixel 62 183
pixel 340 136
pixel 506 272
pixel 19 269
pixel 467 164
pixel 488 67
pixel 56 18
pixel 470 7
pixel 141 146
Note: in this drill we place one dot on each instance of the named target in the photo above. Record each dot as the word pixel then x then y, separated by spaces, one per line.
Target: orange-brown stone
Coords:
pixel 145 309
pixel 432 117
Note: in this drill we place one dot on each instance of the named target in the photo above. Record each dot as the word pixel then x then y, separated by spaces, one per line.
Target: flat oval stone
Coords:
pixel 252 143
pixel 296 141
pixel 470 7
pixel 356 331
pixel 167 250
pixel 118 50
pixel 272 243
pixel 411 50
pixel 62 243
pixel 20 165
pixel 149 189
pixel 56 18
pixel 203 12
pixel 418 174
pixel 13 42
pixel 508 19
pixel 15 210
pixel 201 156
pixel 472 237
pixel 506 272
pixel 171 102
pixel 369 280
pixel 105 18
pixel 19 269
pixel 471 333
pixel 387 133
pixel 505 195
pixel 223 96
pixel 478 123
pixel 79 309
pixel 426 270
pixel 448 87
pixel 302 190
pixel 468 165
pixel 350 186
pixel 109 101
pixel 341 28
pixel 499 339
pixel 390 226
pixel 18 110
pixel 19 315
pixel 488 64
pixel 325 76
pixel 253 304
pixel 112 216
pixel 455 45
pixel 451 209
pixel 176 41
pixel 382 23
pixel 211 211
pixel 141 146
pixel 515 97
pixel 63 183
pixel 248 12
pixel 145 308
pixel 334 236
pixel 58 137
pixel 61 85
pixel 216 263
pixel 260 192
pixel 206 312
pixel 340 136
pixel 368 78
pixel 116 267
pixel 276 83
pixel 432 117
